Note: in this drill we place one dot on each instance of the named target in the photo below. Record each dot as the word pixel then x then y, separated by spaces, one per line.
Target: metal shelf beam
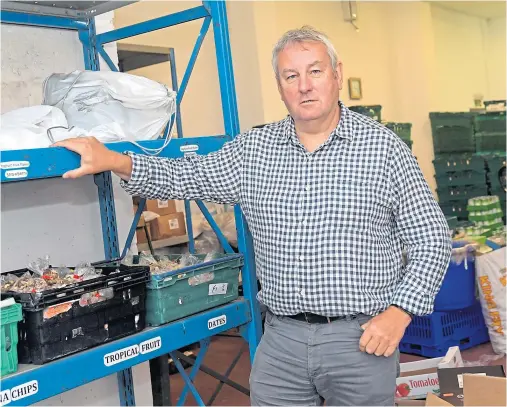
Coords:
pixel 38 163
pixel 32 384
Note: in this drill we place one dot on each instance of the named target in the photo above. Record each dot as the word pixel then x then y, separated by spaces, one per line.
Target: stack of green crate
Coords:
pixel 452 132
pixel 403 130
pixel 490 133
pixel 459 177
pixel 486 213
pixel 460 174
pixel 10 315
pixel 374 111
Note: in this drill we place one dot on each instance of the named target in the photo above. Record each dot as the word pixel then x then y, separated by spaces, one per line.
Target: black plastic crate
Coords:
pixel 111 276
pixel 452 132
pixel 461 192
pixel 66 320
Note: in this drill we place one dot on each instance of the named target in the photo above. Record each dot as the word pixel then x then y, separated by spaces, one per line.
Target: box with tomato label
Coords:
pixel 417 379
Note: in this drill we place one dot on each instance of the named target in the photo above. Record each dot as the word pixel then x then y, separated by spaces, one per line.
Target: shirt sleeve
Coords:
pixel 423 230
pixel 215 177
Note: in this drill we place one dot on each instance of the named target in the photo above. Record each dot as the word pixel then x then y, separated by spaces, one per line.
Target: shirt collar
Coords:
pixel 345 128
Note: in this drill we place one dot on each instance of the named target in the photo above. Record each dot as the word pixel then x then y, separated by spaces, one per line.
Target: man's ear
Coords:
pixel 339 74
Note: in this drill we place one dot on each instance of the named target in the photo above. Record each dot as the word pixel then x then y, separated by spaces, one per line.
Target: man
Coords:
pixel 332 199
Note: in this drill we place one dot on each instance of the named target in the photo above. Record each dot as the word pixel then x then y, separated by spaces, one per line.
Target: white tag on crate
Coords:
pixel 217 289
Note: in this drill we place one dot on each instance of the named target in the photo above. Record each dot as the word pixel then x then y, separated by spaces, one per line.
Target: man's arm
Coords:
pixel 423 229
pixel 214 177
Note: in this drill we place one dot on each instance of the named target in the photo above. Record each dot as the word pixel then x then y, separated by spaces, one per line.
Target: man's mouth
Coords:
pixel 307 101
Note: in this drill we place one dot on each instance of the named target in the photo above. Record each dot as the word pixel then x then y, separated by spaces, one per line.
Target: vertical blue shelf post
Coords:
pixel 253 331
pixel 104 183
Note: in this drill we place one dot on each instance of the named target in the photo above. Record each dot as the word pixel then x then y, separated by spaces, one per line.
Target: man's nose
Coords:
pixel 305 84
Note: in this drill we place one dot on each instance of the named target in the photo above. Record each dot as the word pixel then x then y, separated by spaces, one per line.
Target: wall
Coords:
pixel 54 216
pixel 495 46
pixel 460 58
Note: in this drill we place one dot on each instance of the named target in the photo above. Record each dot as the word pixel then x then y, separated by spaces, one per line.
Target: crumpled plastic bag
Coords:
pixel 111 105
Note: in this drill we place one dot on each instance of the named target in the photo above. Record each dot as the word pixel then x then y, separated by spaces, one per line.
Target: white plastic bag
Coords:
pixel 32 127
pixel 491 280
pixel 112 106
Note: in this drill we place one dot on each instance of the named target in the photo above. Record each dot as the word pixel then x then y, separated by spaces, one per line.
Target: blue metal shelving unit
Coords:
pixel 35 383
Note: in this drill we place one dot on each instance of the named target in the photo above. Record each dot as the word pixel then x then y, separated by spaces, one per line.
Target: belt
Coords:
pixel 318 319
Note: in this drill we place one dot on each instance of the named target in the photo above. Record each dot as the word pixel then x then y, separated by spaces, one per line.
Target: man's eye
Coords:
pixel 316 71
pixel 290 77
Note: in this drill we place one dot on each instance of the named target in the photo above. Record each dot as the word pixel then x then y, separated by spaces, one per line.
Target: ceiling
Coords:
pixel 483 9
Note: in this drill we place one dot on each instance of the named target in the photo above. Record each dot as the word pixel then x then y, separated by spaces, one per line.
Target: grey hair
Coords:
pixel 305 33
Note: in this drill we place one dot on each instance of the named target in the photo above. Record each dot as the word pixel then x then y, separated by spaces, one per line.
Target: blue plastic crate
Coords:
pixel 432 335
pixel 458 288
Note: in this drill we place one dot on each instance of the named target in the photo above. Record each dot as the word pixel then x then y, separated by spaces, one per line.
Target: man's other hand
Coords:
pixel 383 333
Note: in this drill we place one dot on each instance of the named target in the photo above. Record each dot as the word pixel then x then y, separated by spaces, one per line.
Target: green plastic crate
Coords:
pixel 449 193
pixel 460 178
pixel 459 162
pixel 402 130
pixel 189 290
pixel 493 122
pixel 490 142
pixel 9 318
pixel 452 132
pixel 456 209
pixel 374 111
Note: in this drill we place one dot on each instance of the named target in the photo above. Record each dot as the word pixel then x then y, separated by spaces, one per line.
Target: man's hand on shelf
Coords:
pixel 96 158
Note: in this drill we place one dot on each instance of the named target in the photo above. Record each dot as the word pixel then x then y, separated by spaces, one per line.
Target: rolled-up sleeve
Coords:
pixel 215 177
pixel 423 229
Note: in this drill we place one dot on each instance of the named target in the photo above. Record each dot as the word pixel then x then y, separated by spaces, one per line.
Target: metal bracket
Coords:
pixel 189 385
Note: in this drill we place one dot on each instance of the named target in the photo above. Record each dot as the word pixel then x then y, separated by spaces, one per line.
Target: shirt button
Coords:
pixel 301 258
pixel 308 187
pixel 302 292
pixel 304 222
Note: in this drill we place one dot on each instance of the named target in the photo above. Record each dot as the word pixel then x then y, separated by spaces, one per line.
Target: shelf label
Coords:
pixel 11 165
pixel 189 148
pixel 19 392
pixel 217 289
pixel 150 345
pixel 121 355
pixel 216 322
pixel 16 174
pixel 133 351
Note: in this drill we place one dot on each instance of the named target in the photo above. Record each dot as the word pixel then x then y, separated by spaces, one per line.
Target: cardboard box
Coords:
pixel 168 226
pixel 452 381
pixel 161 207
pixel 478 390
pixel 417 379
pixel 141 235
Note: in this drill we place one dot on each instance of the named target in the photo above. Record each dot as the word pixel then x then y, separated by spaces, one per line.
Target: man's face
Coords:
pixel 307 82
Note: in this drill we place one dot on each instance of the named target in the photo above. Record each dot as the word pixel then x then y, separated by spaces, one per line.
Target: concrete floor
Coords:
pixel 223 350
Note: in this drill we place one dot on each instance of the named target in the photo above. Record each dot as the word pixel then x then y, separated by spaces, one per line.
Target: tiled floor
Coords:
pixel 223 350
